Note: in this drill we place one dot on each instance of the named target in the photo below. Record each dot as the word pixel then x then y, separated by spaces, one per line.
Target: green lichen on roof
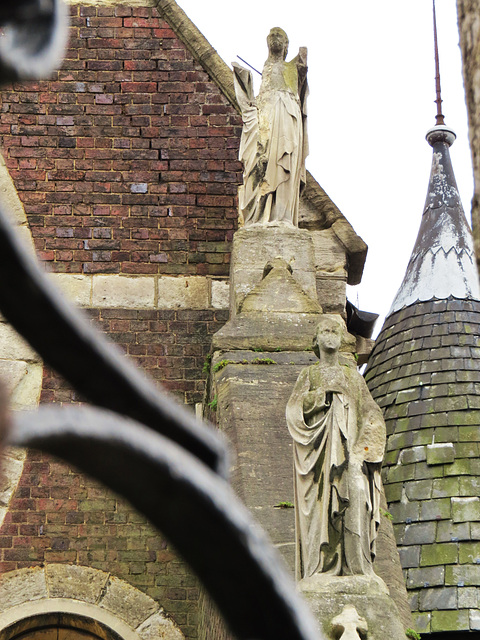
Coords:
pixel 425 374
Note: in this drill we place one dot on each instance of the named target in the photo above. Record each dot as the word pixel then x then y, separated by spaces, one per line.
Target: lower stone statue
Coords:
pixel 339 441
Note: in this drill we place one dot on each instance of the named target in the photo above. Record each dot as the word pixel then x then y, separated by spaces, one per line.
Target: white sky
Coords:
pixel 372 87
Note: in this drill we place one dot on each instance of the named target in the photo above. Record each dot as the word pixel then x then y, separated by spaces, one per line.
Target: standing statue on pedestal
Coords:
pixel 339 440
pixel 274 142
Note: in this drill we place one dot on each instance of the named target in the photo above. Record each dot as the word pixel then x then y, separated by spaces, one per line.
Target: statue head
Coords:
pixel 329 334
pixel 277 41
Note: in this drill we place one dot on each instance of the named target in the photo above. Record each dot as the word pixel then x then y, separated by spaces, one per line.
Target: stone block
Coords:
pixel 474 528
pixel 409 556
pixel 26 394
pixel 467 597
pixel 439 598
pixel 182 293
pixel 220 294
pixel 77 287
pixel 465 509
pixel 463 575
pixel 450 621
pixel 439 509
pixel 419 489
pixel 330 255
pixel 440 453
pixel 469 434
pixel 11 472
pixel 73 581
pixel 466 449
pixel 445 487
pixel 418 533
pixel 425 577
pixel 158 627
pixel 128 603
pixel 469 552
pixel 13 347
pixel 331 293
pixel 449 532
pixel 124 292
pixel 14 592
pixel 439 554
pixel 253 247
pixel 328 595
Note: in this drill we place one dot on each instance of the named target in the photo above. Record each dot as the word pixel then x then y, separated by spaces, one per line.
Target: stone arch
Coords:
pixel 100 605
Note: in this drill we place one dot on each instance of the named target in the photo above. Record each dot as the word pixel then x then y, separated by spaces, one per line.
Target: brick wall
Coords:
pixel 171 346
pixel 59 515
pixel 126 160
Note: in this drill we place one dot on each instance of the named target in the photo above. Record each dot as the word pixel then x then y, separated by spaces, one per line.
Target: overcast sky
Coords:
pixel 372 91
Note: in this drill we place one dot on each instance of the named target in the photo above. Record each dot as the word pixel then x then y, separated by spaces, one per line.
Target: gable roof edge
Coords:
pixel 199 47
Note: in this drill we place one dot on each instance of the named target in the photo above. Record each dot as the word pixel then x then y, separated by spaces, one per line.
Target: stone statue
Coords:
pixel 339 440
pixel 274 143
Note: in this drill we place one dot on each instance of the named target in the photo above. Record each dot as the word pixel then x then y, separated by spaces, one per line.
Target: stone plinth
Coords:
pixel 329 595
pixel 256 245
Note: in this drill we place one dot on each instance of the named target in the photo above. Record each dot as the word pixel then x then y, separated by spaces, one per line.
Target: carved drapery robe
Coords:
pixel 274 144
pixel 339 440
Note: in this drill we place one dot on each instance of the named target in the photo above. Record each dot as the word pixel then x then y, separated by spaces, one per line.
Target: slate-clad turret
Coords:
pixel 425 374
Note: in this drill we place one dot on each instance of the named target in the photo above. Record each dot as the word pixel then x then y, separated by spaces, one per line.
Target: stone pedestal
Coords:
pixel 257 357
pixel 329 595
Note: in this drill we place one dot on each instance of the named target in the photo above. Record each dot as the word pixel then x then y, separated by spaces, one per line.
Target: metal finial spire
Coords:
pixel 440 120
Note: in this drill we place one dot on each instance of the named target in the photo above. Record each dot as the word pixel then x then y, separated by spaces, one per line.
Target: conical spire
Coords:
pixel 442 263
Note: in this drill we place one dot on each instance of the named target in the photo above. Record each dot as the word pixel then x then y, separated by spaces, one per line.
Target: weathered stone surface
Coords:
pixel 467 598
pixel 220 294
pixel 13 591
pixel 182 293
pixel 267 332
pixel 465 509
pixel 128 603
pixel 409 556
pixel 449 532
pixel 73 581
pixel 463 575
pixel 159 627
pixel 446 487
pixel 469 486
pixel 76 286
pixel 117 291
pixel 415 454
pixel 419 489
pixel 331 293
pixel 419 533
pixel 436 554
pixel 422 622
pixel 11 471
pixel 328 595
pixel 474 617
pixel 253 247
pixel 440 453
pixel 450 620
pixel 425 577
pixel 469 552
pixel 432 599
pixel 13 347
pixel 402 510
pixel 435 509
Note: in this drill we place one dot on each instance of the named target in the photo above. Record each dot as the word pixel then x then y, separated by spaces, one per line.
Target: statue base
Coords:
pixel 328 596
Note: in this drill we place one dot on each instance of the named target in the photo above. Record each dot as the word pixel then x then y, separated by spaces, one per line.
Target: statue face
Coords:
pixel 277 41
pixel 329 336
